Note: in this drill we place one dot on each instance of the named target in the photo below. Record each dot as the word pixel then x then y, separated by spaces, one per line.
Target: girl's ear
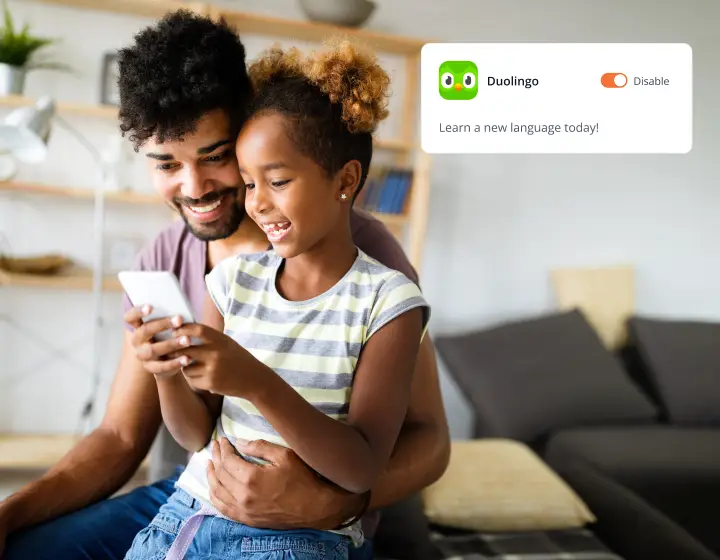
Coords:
pixel 348 180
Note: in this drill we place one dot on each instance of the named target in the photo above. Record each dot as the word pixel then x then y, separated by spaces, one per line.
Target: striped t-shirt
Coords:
pixel 314 345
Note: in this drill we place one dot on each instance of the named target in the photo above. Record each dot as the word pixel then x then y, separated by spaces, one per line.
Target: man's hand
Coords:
pixel 285 494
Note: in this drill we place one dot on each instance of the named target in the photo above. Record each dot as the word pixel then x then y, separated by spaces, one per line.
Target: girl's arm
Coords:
pixel 352 455
pixel 190 416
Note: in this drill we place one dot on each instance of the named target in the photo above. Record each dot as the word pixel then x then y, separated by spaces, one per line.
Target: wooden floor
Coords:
pixel 31 452
pixel 12 481
pixel 24 457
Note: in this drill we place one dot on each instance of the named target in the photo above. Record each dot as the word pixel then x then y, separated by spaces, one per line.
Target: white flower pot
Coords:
pixel 12 80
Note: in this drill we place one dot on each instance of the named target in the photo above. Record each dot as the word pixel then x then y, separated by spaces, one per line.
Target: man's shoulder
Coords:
pixel 373 237
pixel 161 252
pixel 379 274
pixel 362 220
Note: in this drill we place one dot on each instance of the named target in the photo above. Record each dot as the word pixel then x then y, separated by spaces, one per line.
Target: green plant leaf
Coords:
pixel 19 48
pixel 8 19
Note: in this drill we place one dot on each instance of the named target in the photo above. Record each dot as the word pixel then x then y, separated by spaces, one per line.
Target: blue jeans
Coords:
pixel 218 538
pixel 105 531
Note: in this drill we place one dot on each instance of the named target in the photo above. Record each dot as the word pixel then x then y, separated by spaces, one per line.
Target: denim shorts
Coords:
pixel 222 539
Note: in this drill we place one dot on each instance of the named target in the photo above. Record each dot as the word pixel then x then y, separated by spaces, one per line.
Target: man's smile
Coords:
pixel 209 211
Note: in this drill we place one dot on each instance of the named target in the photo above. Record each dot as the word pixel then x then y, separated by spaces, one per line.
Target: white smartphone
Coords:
pixel 161 290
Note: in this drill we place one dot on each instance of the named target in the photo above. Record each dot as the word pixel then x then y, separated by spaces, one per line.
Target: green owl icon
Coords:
pixel 458 79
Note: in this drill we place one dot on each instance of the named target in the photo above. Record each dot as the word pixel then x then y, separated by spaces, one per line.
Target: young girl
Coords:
pixel 313 343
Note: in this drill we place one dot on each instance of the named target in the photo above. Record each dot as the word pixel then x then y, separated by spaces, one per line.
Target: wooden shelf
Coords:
pixel 317 32
pixel 302 30
pixel 103 111
pixel 145 8
pixel 37 451
pixel 127 197
pixel 72 278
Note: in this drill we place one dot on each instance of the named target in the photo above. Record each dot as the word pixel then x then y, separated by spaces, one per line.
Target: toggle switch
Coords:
pixel 614 80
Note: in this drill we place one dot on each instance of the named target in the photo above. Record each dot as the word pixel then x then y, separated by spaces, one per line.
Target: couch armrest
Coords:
pixel 626 523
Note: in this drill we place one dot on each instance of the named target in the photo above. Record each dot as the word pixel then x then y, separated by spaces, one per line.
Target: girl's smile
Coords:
pixel 276 231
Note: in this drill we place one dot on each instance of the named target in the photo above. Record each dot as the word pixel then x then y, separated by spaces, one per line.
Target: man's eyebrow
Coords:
pixel 269 166
pixel 212 147
pixel 201 151
pixel 161 157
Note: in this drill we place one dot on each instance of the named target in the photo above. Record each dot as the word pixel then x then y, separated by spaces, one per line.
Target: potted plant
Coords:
pixel 18 55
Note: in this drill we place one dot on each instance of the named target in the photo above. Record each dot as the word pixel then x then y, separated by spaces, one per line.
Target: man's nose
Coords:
pixel 194 183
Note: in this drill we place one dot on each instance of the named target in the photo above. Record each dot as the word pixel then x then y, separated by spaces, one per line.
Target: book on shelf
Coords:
pixel 386 190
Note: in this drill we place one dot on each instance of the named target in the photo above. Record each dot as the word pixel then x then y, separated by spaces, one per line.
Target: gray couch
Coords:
pixel 646 420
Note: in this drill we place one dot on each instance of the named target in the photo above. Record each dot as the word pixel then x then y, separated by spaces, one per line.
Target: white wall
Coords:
pixel 498 223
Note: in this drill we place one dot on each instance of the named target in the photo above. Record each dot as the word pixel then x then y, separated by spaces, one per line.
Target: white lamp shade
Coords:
pixel 25 132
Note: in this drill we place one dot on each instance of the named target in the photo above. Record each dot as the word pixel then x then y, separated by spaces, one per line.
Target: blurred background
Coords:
pixel 486 238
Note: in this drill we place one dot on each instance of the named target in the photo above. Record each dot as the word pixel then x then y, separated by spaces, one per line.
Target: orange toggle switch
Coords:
pixel 614 80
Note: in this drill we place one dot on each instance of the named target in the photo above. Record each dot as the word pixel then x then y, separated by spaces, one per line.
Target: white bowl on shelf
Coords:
pixel 346 13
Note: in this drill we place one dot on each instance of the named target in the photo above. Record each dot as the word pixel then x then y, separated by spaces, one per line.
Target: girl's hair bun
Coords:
pixel 345 72
pixel 351 76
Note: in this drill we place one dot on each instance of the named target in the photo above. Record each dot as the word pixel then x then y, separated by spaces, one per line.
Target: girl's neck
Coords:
pixel 316 271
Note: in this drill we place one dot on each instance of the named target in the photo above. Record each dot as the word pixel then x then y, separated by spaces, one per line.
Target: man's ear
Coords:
pixel 349 180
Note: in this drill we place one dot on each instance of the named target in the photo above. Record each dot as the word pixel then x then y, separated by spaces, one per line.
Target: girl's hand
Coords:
pixel 217 364
pixel 156 356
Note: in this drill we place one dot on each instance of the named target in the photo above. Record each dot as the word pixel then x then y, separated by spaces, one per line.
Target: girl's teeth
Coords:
pixel 205 209
pixel 276 228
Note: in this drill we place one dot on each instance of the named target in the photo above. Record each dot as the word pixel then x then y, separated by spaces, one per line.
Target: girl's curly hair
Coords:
pixel 334 99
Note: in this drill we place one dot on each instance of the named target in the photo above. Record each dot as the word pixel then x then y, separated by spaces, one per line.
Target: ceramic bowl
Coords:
pixel 348 13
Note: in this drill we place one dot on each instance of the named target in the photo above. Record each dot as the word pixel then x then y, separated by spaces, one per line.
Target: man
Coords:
pixel 183 87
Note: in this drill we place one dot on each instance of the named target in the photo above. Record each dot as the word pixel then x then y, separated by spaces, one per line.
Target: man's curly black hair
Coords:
pixel 176 71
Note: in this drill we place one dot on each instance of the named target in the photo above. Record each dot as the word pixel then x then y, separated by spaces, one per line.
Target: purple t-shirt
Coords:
pixel 176 249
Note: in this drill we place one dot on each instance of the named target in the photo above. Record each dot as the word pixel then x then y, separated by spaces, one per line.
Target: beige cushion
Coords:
pixel 502 485
pixel 606 296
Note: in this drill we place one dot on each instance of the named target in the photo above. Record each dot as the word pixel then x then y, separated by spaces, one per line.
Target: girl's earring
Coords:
pixel 343 196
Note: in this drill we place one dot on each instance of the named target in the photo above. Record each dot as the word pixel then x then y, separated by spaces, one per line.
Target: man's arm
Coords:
pixel 422 450
pixel 102 462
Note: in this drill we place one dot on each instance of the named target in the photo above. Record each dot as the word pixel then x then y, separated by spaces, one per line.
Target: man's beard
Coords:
pixel 221 228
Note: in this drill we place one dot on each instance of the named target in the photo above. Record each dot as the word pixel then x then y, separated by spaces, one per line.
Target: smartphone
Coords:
pixel 161 290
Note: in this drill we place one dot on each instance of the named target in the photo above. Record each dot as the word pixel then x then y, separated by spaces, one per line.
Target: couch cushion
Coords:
pixel 627 523
pixel 528 378
pixel 681 360
pixel 502 485
pixel 643 455
pixel 676 469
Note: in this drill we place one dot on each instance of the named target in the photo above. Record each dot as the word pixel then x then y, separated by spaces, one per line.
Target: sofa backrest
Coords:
pixel 525 379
